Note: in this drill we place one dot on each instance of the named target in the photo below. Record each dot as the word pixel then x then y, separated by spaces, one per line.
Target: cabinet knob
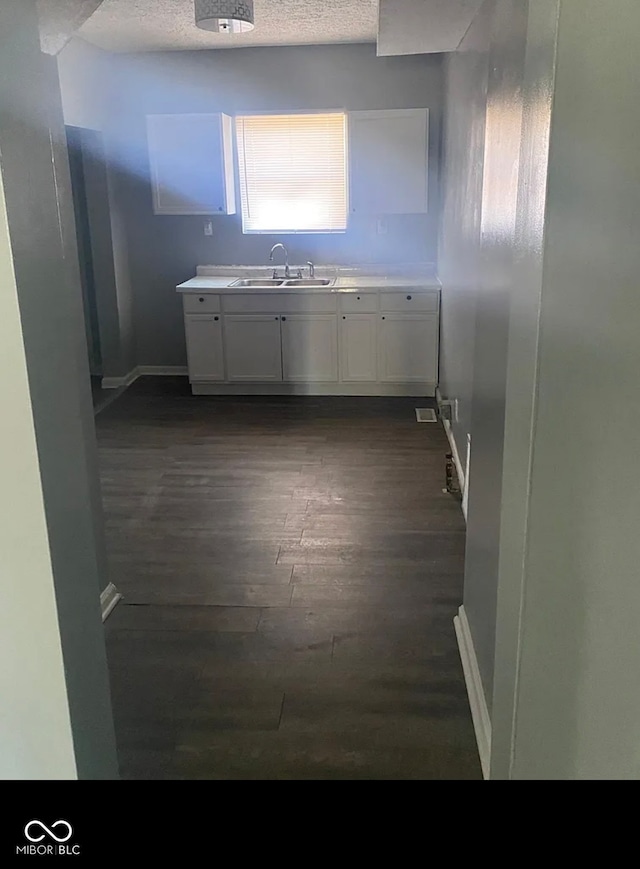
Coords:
pixel 220 208
pixel 216 319
pixel 409 298
pixel 201 299
pixel 384 318
pixel 277 318
pixel 344 318
pixel 283 319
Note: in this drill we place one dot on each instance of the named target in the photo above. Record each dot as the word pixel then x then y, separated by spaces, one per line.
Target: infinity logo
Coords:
pixel 48 832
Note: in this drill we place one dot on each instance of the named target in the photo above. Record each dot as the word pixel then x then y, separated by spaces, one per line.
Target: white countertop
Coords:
pixel 203 284
pixel 380 282
pixel 211 279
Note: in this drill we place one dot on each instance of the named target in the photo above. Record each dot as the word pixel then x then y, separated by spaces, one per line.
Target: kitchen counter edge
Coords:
pixel 342 285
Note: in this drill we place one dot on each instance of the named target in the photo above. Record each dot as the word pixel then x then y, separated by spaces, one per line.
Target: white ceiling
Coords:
pixel 60 19
pixel 400 26
pixel 154 25
pixel 424 26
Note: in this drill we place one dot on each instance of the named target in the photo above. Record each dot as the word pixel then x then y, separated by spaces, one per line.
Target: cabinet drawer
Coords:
pixel 201 304
pixel 359 303
pixel 409 301
pixel 280 303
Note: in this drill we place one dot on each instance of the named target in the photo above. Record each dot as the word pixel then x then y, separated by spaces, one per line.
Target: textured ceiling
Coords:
pixel 59 20
pixel 424 26
pixel 153 25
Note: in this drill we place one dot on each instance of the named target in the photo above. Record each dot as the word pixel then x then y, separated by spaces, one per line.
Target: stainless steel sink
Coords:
pixel 286 284
pixel 309 282
pixel 258 282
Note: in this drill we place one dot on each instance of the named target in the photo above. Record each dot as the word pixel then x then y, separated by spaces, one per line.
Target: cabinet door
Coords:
pixel 191 161
pixel 389 161
pixel 252 347
pixel 310 348
pixel 408 348
pixel 358 347
pixel 204 347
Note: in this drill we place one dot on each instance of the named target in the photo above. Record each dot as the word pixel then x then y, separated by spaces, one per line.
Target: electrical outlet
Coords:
pixel 208 227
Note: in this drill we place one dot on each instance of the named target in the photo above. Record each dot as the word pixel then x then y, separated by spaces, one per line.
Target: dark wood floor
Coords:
pixel 291 569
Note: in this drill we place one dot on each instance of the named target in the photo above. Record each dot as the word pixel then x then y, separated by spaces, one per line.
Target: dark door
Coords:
pixel 78 142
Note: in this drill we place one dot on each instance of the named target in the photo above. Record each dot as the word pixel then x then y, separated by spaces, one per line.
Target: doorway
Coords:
pixel 77 149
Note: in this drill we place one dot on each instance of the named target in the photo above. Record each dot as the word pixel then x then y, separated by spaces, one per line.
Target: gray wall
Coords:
pixel 121 259
pixel 110 263
pixel 50 302
pixel 570 552
pixel 68 233
pixel 33 746
pixel 482 147
pixel 466 77
pixel 165 250
pixel 553 507
pixel 88 98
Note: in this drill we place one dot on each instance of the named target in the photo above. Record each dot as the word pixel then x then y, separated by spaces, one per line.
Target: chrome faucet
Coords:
pixel 312 269
pixel 287 270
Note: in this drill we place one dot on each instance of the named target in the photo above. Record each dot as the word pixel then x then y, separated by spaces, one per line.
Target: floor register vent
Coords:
pixel 426 414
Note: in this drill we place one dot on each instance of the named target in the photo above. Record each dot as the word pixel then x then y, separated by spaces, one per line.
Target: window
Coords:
pixel 293 172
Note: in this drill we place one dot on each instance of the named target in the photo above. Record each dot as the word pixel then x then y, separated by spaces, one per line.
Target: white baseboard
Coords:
pixel 120 382
pixel 460 470
pixel 465 492
pixel 475 691
pixel 414 390
pixel 144 371
pixel 162 370
pixel 109 598
pixel 426 390
pixel 455 453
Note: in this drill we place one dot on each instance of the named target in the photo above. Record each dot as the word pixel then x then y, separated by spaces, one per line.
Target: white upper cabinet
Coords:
pixel 191 159
pixel 389 165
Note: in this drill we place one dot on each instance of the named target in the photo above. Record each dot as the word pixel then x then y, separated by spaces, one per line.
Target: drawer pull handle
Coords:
pixel 409 298
pixel 358 297
pixel 201 299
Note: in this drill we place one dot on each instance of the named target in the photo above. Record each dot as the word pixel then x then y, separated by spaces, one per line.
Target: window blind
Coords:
pixel 293 172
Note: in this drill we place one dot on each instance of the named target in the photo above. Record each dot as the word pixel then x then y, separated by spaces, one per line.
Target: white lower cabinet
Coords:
pixel 253 348
pixel 310 348
pixel 408 348
pixel 358 348
pixel 371 343
pixel 204 347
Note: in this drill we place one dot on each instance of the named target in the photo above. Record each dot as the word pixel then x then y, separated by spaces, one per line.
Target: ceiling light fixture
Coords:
pixel 225 16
